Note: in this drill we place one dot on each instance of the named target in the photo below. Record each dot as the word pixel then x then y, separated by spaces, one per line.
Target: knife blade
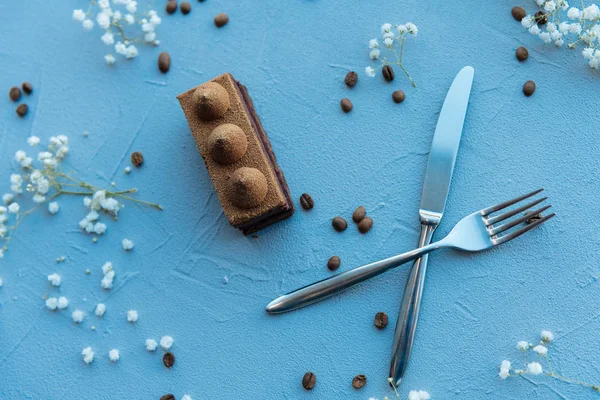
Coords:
pixel 438 176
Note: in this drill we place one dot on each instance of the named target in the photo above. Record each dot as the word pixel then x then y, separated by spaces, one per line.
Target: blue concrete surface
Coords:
pixel 293 57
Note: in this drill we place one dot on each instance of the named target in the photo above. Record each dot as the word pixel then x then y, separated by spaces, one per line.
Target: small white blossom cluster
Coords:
pixel 98 202
pixel 52 303
pixel 113 355
pixel 114 19
pixel 166 342
pixel 100 310
pixel 568 23
pixel 393 38
pixel 132 316
pixel 535 367
pixel 45 182
pixel 107 280
pixel 418 395
pixel 88 355
pixel 127 244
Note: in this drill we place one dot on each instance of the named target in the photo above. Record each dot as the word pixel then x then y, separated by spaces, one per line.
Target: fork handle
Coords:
pixel 409 310
pixel 327 287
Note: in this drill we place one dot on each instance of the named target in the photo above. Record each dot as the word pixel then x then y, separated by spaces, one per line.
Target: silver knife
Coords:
pixel 438 176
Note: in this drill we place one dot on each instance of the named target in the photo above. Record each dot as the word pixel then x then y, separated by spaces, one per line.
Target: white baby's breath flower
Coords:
pixel 418 395
pixel 103 20
pixel 99 228
pixel 551 27
pixel 541 350
pixel 588 53
pixel 534 368
pixel 8 197
pixel 528 21
pixel 132 7
pixel 113 355
pixel 591 13
pixel 108 38
pixel 150 36
pixel 547 336
pixel 155 19
pixel 109 59
pixel 523 345
pixel 132 316
pixel 545 36
pixel 38 198
pixel 401 29
pixel 88 355
pixel 550 6
pixel 104 3
pixel 33 140
pixel 131 52
pixel 127 244
pixel 412 28
pixel 78 316
pixel 559 42
pixel 575 28
pixel 14 208
pixel 186 397
pixel 127 170
pixel 540 2
pixel 100 310
pixel 166 342
pixel 387 27
pixel 534 30
pixel 373 44
pixel 563 27
pixel 88 24
pixel 388 42
pixel 63 302
pixel 130 19
pixel 53 207
pixel 556 35
pixel 375 54
pixel 120 48
pixel 51 303
pixel 54 279
pixel 594 63
pixel 504 370
pixel 78 15
pixel 370 72
pixel 151 344
pixel 20 155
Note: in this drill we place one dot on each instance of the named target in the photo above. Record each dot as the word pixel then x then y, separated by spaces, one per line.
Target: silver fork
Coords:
pixel 476 232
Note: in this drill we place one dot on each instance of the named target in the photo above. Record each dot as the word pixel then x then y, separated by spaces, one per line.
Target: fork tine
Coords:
pixel 508 225
pixel 489 210
pixel 522 230
pixel 502 217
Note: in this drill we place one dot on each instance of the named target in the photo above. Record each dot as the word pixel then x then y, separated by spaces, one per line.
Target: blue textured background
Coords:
pixel 293 56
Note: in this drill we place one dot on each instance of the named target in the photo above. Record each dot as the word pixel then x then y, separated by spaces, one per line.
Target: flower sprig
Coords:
pixel 47 182
pixel 579 27
pixel 393 42
pixel 535 367
pixel 114 22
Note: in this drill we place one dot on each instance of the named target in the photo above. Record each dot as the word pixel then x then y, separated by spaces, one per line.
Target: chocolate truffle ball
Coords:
pixel 212 101
pixel 247 187
pixel 227 143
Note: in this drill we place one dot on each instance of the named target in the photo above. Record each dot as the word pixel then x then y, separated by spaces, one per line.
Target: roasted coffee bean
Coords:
pixel 532 217
pixel 365 225
pixel 137 159
pixel 528 88
pixel 351 78
pixel 164 62
pixel 22 110
pixel 168 359
pixel 171 6
pixel 185 8
pixel 518 13
pixel 522 53
pixel 221 20
pixel 334 263
pixel 346 105
pixel 359 381
pixel 381 320
pixel 398 96
pixel 27 87
pixel 168 397
pixel 306 201
pixel 359 214
pixel 339 224
pixel 14 93
pixel 309 380
pixel 388 73
pixel 541 18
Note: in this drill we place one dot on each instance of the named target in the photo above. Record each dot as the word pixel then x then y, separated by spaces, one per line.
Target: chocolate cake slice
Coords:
pixel 237 154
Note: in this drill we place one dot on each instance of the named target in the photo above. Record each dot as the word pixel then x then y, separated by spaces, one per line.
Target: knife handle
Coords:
pixel 409 311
